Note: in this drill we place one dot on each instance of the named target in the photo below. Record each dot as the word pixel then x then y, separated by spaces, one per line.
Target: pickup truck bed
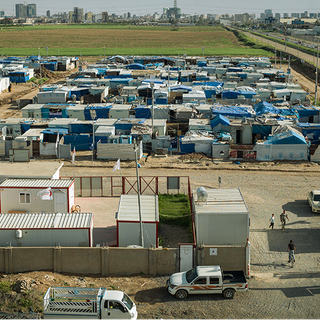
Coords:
pixel 233 277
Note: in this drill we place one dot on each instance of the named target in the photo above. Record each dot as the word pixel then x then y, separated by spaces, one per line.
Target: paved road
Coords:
pixel 292 51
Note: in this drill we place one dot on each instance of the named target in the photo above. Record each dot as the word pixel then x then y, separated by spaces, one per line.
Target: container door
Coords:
pixel 60 202
pixel 186 257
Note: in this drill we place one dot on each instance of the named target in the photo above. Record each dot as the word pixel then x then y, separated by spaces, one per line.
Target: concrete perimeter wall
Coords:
pixel 230 258
pixel 103 260
pixel 116 261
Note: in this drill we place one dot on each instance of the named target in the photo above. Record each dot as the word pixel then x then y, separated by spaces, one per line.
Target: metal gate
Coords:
pixel 114 186
pixel 185 257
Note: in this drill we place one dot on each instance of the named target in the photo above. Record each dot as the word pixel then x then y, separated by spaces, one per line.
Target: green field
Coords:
pixel 100 40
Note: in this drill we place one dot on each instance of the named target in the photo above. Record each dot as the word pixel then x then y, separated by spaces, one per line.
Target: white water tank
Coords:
pixel 18 234
pixel 202 194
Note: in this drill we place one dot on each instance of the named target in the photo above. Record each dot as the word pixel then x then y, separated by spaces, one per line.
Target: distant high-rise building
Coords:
pixel 31 10
pixel 88 16
pixel 129 15
pixel 21 10
pixel 277 16
pixel 286 15
pixel 78 15
pixel 295 15
pixel 304 14
pixel 1 13
pixel 262 15
pixel 104 16
pixel 26 10
pixel 48 13
pixel 313 15
pixel 268 13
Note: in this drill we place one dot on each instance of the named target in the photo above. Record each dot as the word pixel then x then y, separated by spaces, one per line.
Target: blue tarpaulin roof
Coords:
pixel 306 111
pixel 62 131
pixel 265 107
pixel 180 87
pixel 231 111
pixel 219 119
pixel 136 66
pixel 289 137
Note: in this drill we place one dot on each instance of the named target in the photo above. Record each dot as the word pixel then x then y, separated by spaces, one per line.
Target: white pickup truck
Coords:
pixel 207 280
pixel 87 303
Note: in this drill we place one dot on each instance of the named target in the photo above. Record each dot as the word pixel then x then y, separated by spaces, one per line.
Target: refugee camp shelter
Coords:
pixel 223 219
pixel 288 145
pixel 128 222
pixel 36 195
pixel 46 229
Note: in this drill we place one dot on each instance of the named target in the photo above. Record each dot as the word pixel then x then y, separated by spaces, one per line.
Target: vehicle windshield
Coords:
pixel 191 275
pixel 316 197
pixel 127 301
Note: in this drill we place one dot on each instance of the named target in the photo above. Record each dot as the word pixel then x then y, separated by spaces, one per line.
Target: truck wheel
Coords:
pixel 228 293
pixel 181 294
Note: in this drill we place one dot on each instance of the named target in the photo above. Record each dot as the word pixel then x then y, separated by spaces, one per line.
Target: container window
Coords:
pixel 25 197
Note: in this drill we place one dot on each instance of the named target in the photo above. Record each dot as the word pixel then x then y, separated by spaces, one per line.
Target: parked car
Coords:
pixel 314 200
pixel 207 280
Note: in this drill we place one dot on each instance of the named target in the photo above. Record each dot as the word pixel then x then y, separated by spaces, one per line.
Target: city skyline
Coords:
pixel 142 7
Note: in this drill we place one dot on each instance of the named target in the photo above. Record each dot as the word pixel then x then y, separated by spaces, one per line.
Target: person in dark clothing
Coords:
pixel 291 249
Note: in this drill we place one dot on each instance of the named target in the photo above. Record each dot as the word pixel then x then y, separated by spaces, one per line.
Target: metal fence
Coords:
pixel 113 186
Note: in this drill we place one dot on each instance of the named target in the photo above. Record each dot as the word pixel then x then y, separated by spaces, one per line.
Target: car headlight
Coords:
pixel 172 286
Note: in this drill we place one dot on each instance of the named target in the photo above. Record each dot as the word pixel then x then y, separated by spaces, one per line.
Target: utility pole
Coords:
pixel 316 89
pixel 152 103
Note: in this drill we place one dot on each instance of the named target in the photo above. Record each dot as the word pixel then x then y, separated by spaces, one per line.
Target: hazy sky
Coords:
pixel 141 7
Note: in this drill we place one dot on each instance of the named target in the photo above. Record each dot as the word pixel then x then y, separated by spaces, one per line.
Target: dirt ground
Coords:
pixel 276 290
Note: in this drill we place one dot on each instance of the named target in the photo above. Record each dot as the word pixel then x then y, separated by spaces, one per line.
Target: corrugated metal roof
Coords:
pixel 221 201
pixel 45 220
pixel 37 183
pixel 129 209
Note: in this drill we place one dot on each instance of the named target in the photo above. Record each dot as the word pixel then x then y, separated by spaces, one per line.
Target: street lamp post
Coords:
pixel 152 105
pixel 139 197
pixel 316 88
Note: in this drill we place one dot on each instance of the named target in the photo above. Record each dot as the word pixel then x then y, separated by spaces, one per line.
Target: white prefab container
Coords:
pixel 223 219
pixel 115 151
pixel 46 229
pixel 128 222
pixel 52 97
pixel 159 125
pixel 76 111
pixel 24 195
pixel 200 124
pixel 119 111
pixel 32 111
pixel 61 123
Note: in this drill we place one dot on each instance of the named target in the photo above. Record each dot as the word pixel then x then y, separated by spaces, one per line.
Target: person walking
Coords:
pixel 291 249
pixel 271 221
pixel 283 218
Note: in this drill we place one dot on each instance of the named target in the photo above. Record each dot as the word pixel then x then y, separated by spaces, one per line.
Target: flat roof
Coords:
pixel 32 169
pixel 45 220
pixel 129 209
pixel 37 183
pixel 221 201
